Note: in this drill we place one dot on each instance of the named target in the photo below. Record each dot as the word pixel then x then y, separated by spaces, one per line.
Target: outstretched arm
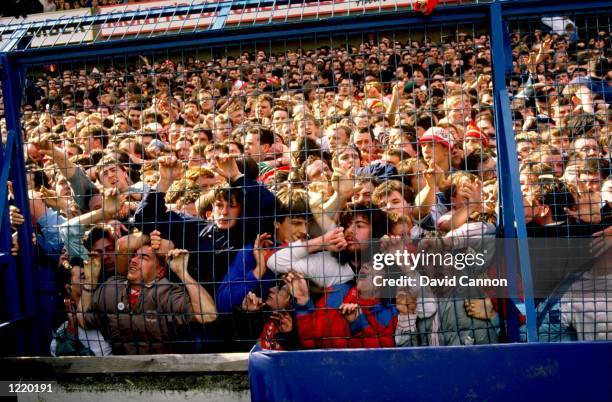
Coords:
pixel 73 230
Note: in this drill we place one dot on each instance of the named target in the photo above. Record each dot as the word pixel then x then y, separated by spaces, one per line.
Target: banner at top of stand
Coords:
pixel 51 35
pixel 239 16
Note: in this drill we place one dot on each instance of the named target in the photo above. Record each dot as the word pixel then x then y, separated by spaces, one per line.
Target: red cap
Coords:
pixel 264 178
pixel 474 132
pixel 437 134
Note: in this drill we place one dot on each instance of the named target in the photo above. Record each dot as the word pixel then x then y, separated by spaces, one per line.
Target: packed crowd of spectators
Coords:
pixel 200 205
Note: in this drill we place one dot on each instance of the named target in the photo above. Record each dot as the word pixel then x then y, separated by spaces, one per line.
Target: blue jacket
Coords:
pixel 239 281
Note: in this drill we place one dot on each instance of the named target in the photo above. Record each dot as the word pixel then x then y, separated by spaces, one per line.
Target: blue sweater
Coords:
pixel 239 281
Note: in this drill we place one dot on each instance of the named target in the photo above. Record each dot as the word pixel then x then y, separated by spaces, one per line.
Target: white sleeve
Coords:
pixel 287 258
pixel 471 234
pixel 322 267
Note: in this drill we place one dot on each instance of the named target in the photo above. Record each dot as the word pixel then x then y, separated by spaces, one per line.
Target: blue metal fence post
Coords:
pixel 511 197
pixel 9 278
pixel 12 90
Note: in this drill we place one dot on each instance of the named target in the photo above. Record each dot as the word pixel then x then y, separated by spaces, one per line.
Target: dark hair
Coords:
pixel 305 147
pixel 378 219
pixel 475 159
pixel 98 232
pixel 227 194
pixel 96 156
pixel 38 176
pixel 248 166
pixel 408 132
pixel 424 121
pixel 265 136
pixel 555 194
pixel 96 132
pixel 292 203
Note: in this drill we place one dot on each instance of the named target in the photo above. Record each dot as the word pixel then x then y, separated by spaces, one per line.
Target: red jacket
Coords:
pixel 375 326
pixel 320 325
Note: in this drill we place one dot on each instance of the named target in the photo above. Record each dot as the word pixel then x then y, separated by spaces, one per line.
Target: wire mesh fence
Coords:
pixel 336 190
pixel 561 117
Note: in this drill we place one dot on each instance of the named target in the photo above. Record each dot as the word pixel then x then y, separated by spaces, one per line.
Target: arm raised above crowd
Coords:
pixel 153 215
pixel 426 198
pixel 396 95
pixel 81 185
pixel 258 201
pixel 170 170
pixel 324 212
pixel 59 157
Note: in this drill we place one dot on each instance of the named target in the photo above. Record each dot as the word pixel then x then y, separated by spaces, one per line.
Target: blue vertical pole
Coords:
pixel 511 195
pixel 9 278
pixel 12 88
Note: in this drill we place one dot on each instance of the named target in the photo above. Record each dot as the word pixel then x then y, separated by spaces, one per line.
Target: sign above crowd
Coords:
pixel 240 16
pixel 57 33
pixel 51 35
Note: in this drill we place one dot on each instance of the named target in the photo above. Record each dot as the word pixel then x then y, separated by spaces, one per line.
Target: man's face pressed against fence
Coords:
pixel 106 249
pixel 114 176
pixel 357 233
pixel 144 266
pixel 291 229
pixel 279 298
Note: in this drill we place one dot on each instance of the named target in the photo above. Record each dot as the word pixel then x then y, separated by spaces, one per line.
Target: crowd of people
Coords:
pixel 202 205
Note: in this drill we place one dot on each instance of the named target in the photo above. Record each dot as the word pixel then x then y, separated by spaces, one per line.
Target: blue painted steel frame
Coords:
pixel 523 8
pixel 373 23
pixel 19 275
pixel 512 200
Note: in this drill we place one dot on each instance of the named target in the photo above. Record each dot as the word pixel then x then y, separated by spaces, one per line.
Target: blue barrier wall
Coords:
pixel 513 372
